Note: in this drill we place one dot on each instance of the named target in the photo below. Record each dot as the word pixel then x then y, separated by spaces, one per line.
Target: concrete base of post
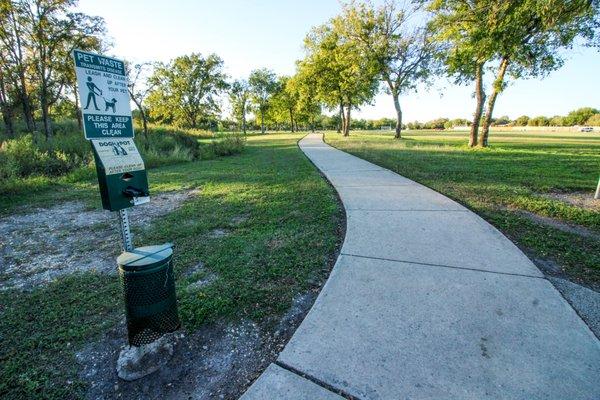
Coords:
pixel 135 362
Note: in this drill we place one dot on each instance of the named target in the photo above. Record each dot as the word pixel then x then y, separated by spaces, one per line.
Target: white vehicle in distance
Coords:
pixel 586 129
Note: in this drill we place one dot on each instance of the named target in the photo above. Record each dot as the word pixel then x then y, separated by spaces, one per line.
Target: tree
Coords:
pixel 532 34
pixel 52 31
pixel 344 76
pixel 185 90
pixel 579 116
pixel 6 106
pixel 594 120
pixel 404 55
pixel 263 84
pixel 523 120
pixel 239 94
pixel 466 30
pixel 13 61
pixel 285 101
pixel 140 85
pixel 539 121
pixel 522 36
pixel 557 120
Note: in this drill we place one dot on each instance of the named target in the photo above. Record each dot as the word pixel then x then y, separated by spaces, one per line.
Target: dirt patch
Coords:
pixel 46 243
pixel 217 362
pixel 218 233
pixel 583 200
pixel 560 225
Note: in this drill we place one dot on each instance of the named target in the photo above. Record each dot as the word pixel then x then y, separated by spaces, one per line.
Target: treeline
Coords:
pixel 585 116
pixel 347 61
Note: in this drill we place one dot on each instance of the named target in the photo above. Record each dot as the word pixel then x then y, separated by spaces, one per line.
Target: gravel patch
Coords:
pixel 585 301
pixel 46 243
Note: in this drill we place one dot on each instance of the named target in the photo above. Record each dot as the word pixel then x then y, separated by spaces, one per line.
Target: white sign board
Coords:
pixel 118 155
pixel 102 87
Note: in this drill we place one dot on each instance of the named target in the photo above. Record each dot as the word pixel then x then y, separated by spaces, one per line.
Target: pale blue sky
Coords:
pixel 269 33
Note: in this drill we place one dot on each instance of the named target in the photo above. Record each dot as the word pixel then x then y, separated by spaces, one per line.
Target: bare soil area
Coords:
pixel 45 243
pixel 583 200
pixel 218 361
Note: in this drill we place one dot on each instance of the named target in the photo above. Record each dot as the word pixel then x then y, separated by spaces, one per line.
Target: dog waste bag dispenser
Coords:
pixel 146 272
pixel 121 174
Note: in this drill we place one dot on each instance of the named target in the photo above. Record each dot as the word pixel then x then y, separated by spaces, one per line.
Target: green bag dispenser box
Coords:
pixel 121 173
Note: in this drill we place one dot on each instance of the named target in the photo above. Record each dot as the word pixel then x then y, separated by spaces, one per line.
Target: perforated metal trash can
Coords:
pixel 149 290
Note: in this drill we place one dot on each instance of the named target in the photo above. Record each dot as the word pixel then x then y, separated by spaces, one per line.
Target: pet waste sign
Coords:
pixel 102 86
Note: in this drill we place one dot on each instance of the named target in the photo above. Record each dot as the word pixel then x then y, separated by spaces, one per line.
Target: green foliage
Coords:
pixel 263 84
pixel 594 120
pixel 185 90
pixel 523 120
pixel 539 121
pixel 239 95
pixel 580 116
pixel 23 158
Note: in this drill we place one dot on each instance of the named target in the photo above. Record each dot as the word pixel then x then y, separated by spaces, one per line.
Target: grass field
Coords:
pixel 535 187
pixel 278 223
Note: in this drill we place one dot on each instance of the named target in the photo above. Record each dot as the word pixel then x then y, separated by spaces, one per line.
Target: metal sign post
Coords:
pixel 148 281
pixel 126 236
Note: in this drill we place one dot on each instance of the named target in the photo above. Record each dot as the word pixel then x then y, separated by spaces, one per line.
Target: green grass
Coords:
pixel 504 181
pixel 282 221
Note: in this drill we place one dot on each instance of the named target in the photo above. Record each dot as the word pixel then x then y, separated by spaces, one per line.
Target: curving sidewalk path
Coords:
pixel 428 301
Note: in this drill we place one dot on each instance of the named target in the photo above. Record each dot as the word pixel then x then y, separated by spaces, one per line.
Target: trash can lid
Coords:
pixel 144 257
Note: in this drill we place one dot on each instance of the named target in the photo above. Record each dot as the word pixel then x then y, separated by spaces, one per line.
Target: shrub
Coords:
pixel 594 120
pixel 229 145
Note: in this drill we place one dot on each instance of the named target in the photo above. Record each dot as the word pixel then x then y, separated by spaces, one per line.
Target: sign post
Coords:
pixel 108 125
pixel 146 272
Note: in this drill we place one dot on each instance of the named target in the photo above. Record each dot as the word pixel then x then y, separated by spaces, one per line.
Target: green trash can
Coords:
pixel 149 290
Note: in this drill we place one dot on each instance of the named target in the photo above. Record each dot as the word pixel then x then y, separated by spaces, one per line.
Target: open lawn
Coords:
pixel 262 228
pixel 535 187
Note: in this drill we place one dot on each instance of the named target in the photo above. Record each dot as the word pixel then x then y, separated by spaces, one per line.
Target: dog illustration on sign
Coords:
pixel 110 104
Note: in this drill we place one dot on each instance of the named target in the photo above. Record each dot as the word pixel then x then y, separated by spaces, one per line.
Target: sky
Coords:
pixel 251 34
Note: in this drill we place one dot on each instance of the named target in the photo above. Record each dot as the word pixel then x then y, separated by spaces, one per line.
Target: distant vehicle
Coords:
pixel 586 129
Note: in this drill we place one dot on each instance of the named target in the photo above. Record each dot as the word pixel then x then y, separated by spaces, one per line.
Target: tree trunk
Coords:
pixel 26 103
pixel 77 110
pixel 244 119
pixel 6 109
pixel 45 112
pixel 340 126
pixel 480 96
pixel 497 88
pixel 398 134
pixel 347 124
pixel 292 120
pixel 262 120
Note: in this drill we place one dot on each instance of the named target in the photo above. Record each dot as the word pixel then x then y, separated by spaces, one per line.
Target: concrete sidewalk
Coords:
pixel 428 301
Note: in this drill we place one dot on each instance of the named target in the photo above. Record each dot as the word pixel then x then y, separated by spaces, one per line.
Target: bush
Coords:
pixel 228 145
pixel 594 120
pixel 69 153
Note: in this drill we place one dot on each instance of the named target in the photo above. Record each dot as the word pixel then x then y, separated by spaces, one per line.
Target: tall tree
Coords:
pixel 345 77
pixel 284 102
pixel 529 45
pixel 239 95
pixel 404 53
pixel 185 90
pixel 263 84
pixel 6 106
pixel 13 56
pixel 139 87
pixel 52 31
pixel 468 31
